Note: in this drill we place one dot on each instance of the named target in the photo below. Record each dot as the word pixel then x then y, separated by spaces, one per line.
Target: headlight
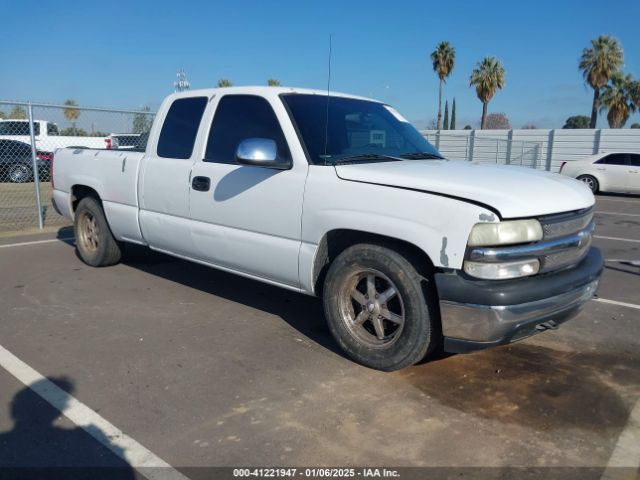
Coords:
pixel 505 233
pixel 502 271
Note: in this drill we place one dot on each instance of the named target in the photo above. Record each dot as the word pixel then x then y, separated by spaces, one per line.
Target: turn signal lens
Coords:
pixel 502 271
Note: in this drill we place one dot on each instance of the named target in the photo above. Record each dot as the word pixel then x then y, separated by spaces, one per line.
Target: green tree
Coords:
pixel 18 113
pixel 70 113
pixel 443 59
pixel 452 126
pixel 223 82
pixel 73 132
pixel 617 100
pixel 445 126
pixel 273 82
pixel 635 125
pixel 577 121
pixel 468 127
pixel 598 64
pixel 142 121
pixel 634 90
pixel 2 115
pixel 487 78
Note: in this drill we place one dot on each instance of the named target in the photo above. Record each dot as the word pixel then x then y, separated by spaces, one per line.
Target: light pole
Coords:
pixel 181 84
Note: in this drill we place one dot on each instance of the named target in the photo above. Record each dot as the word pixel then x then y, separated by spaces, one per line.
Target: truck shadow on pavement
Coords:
pixel 302 312
pixel 37 448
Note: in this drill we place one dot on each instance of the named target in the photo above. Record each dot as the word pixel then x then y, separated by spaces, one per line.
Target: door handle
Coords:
pixel 601 168
pixel 202 184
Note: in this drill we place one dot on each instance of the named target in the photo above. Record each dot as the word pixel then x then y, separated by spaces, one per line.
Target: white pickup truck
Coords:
pixel 46 134
pixel 339 196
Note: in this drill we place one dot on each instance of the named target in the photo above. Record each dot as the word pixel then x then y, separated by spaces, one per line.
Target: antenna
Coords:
pixel 326 128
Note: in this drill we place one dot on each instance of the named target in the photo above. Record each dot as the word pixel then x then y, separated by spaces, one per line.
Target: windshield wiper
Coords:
pixel 365 157
pixel 421 156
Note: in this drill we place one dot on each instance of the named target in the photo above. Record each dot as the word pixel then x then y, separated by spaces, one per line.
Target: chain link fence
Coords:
pixel 30 134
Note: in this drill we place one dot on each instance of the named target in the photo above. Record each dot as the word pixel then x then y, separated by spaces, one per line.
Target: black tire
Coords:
pixel 95 243
pixel 20 173
pixel 590 181
pixel 352 322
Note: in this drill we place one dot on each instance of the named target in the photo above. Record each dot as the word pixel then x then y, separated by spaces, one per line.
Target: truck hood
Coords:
pixel 511 190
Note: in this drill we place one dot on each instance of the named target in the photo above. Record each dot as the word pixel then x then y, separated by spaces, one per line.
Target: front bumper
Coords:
pixel 481 314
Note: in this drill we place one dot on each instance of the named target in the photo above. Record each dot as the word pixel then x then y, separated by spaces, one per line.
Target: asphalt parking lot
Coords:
pixel 197 368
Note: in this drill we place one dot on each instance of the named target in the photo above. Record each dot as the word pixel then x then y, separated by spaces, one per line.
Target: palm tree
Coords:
pixel 223 82
pixel 18 113
pixel 598 64
pixel 487 78
pixel 70 113
pixel 617 99
pixel 272 82
pixel 635 93
pixel 444 59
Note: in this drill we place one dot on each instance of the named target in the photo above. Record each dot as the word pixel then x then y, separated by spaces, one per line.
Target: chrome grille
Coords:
pixel 566 241
pixel 566 258
pixel 555 226
pixel 565 225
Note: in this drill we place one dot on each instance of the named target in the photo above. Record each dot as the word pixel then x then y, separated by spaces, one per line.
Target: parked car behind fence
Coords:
pixel 16 163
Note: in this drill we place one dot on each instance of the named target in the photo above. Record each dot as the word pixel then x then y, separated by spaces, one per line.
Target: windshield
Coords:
pixel 359 130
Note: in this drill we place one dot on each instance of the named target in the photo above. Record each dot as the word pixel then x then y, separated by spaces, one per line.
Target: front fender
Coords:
pixel 437 225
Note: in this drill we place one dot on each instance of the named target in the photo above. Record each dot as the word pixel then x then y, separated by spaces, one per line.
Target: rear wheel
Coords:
pixel 95 243
pixel 376 308
pixel 590 182
pixel 20 173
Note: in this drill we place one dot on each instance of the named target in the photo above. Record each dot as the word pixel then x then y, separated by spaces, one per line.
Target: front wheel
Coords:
pixel 590 182
pixel 377 309
pixel 95 243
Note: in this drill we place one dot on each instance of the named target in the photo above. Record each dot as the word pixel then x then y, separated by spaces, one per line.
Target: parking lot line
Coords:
pixel 619 213
pixel 633 240
pixel 626 453
pixel 615 302
pixel 616 200
pixel 125 447
pixel 36 242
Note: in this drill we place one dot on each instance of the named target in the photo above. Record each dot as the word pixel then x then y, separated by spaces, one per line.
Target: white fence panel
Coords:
pixel 538 148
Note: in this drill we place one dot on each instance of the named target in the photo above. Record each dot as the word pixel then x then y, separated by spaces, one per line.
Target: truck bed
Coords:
pixel 112 173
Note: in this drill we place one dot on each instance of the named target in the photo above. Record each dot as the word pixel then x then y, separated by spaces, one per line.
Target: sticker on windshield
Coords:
pixel 378 137
pixel 396 114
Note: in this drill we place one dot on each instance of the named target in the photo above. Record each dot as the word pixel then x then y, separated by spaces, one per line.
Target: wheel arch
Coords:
pixel 336 241
pixel 78 192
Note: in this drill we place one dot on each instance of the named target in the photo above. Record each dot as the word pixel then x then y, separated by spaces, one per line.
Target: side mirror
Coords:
pixel 260 152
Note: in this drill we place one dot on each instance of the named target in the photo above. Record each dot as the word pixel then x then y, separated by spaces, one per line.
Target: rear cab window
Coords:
pixel 18 128
pixel 180 127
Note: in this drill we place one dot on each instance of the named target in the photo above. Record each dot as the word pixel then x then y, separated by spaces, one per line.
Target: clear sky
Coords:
pixel 126 53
